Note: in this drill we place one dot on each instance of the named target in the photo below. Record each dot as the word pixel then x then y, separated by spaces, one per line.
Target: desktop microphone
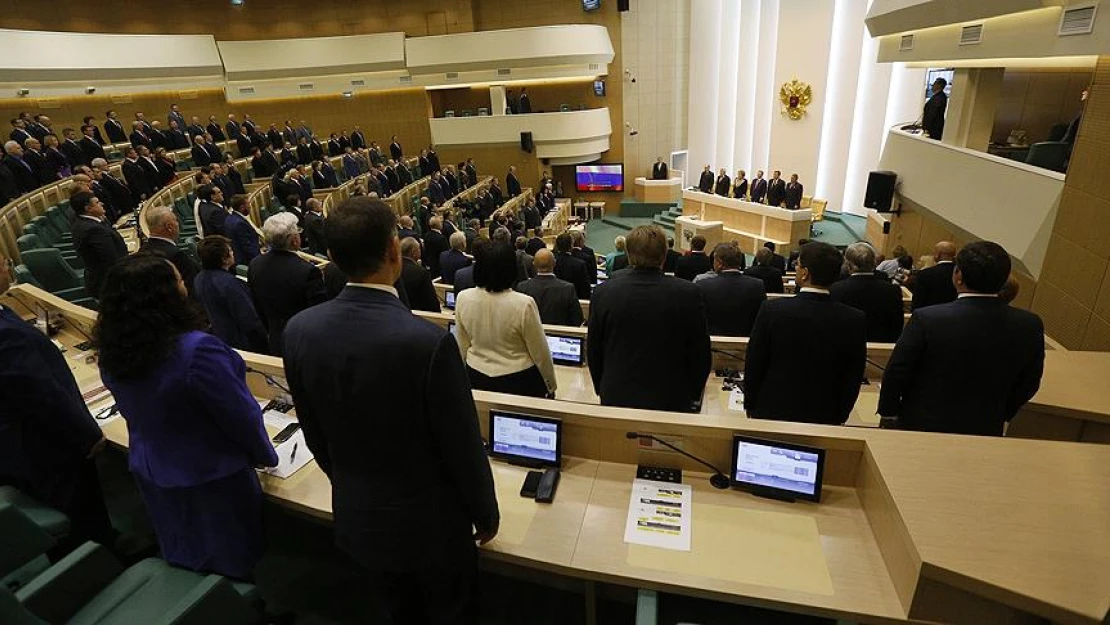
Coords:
pixel 717 480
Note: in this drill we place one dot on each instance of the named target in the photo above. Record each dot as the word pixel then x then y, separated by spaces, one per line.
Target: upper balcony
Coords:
pixel 565 137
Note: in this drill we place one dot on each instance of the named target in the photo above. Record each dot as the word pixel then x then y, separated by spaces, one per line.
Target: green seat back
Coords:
pixel 32 228
pixel 46 230
pixel 51 270
pixel 23 275
pixel 12 613
pixel 46 518
pixel 28 242
pixel 1048 154
pixel 66 210
pixel 58 217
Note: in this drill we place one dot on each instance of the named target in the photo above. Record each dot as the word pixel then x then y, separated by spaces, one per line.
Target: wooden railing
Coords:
pixel 513 205
pixel 469 193
pixel 179 188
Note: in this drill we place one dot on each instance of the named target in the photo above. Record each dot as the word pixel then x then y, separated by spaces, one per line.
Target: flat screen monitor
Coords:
pixel 775 468
pixel 591 5
pixel 566 350
pixel 449 299
pixel 599 88
pixel 525 439
pixel 589 178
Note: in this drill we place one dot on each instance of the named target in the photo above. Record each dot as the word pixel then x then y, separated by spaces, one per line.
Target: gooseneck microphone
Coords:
pixel 717 480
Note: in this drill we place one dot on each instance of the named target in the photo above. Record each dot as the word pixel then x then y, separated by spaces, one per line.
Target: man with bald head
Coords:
pixel 934 285
pixel 556 299
pixel 417 279
pixel 865 290
pixel 164 230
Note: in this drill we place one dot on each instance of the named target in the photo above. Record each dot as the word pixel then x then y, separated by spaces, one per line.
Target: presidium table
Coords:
pixel 749 223
pixel 912 526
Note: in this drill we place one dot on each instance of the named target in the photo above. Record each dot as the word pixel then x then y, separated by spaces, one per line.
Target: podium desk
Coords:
pixel 749 223
pixel 686 228
pixel 657 191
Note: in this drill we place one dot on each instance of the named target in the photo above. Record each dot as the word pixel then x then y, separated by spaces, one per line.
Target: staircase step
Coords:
pixel 664 224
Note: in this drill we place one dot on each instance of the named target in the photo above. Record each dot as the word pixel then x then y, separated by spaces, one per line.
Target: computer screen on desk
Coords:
pixel 525 438
pixel 449 299
pixel 566 350
pixel 765 466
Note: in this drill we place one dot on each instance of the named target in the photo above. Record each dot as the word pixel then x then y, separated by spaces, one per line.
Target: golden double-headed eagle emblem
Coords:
pixel 794 97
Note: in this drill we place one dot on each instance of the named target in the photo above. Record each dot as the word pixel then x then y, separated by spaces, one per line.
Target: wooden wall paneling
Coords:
pixel 459 100
pixel 1035 100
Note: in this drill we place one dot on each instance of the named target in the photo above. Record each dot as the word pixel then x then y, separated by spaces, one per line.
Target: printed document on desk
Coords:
pixel 293 454
pixel 660 515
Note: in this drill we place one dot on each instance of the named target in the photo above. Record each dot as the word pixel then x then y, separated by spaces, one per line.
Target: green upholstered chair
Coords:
pixel 29 242
pixel 54 523
pixel 51 270
pixel 23 546
pixel 89 587
pixel 62 224
pixel 23 275
pixel 1048 155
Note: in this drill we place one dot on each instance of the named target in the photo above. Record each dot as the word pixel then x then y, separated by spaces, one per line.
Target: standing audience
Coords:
pixel 227 299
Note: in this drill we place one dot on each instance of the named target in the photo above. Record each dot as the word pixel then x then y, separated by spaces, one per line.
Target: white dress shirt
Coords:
pixel 501 333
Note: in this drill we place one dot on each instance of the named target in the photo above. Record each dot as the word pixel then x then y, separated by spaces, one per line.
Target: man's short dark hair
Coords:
pixel 358 232
pixel 292 200
pixel 646 247
pixel 520 243
pixel 697 243
pixel 942 81
pixel 770 245
pixel 205 192
pixel 495 266
pixel 823 262
pixel 212 250
pixel 237 202
pixel 563 242
pixel 80 201
pixel 729 255
pixel 670 243
pixel 985 266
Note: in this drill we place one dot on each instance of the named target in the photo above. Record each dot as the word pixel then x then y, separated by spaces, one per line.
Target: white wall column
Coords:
pixel 729 26
pixel 747 68
pixel 497 99
pixel 766 93
pixel 705 41
pixel 847 79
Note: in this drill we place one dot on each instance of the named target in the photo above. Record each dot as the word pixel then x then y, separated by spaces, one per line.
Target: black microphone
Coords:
pixel 717 480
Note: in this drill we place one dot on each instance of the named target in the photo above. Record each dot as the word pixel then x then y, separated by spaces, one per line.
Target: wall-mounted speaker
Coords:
pixel 622 5
pixel 880 190
pixel 526 142
pixel 886 227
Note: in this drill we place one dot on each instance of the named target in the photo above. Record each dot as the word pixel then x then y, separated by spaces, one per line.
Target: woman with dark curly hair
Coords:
pixel 196 433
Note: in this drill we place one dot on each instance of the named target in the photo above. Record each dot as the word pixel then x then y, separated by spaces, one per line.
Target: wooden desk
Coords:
pixel 1072 403
pixel 750 223
pixel 913 526
pixel 657 191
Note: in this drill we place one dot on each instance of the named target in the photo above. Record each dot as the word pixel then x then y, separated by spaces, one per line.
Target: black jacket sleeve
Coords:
pixel 900 368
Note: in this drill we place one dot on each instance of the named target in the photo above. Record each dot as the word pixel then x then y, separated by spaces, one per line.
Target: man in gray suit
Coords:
pixel 556 299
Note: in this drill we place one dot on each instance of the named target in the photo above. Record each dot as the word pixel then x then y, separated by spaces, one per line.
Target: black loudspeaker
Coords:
pixel 880 190
pixel 622 5
pixel 526 142
pixel 886 227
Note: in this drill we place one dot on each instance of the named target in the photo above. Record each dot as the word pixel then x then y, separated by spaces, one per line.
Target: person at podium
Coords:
pixel 659 169
pixel 740 185
pixel 724 183
pixel 794 192
pixel 759 187
pixel 776 189
pixel 705 185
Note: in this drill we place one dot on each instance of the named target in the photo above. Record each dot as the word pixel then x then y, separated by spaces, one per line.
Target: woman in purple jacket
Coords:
pixel 196 433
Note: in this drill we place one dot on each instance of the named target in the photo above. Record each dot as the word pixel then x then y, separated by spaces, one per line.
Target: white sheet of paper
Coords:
pixel 660 515
pixel 288 462
pixel 736 400
pixel 275 419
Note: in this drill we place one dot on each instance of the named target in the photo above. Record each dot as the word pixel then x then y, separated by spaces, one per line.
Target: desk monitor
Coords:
pixel 449 299
pixel 776 469
pixel 566 350
pixel 525 439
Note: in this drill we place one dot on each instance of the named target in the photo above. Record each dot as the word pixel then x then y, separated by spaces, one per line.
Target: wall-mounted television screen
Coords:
pixel 599 88
pixel 598 178
pixel 591 5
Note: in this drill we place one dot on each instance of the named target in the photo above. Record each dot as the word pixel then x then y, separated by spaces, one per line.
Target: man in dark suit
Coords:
pixel 672 257
pixel 570 268
pixel 934 285
pixel 89 145
pixel 453 259
pixel 55 159
pixel 412 525
pixel 555 298
pixel 139 135
pixel 316 241
pixel 244 237
pixel 213 150
pixel 648 343
pixel 90 120
pixel 416 278
pixel 114 128
pixel 395 181
pixel 724 183
pixel 695 263
pixel 97 244
pixel 932 117
pixel 777 260
pixel 776 189
pixel 512 183
pixel 762 269
pixel 242 142
pixel 213 129
pixel 794 192
pixel 19 132
pixel 395 150
pixel 136 176
pixel 732 299
pixel 525 103
pixel 274 137
pixel 72 149
pixel 585 253
pixel 195 128
pixel 200 155
pixel 120 195
pixel 424 164
pixel 659 169
pixel 759 187
pixel 967 366
pixel 282 283
pixel 9 190
pixel 176 116
pixel 536 243
pixel 19 167
pixel 210 214
pixel 48 439
pixel 705 183
pixel 164 230
pixel 434 245
pixel 806 356
pixel 877 297
pixel 234 128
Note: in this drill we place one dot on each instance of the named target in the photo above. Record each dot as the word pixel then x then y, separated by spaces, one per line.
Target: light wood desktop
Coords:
pixel 912 526
pixel 750 223
pixel 657 191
